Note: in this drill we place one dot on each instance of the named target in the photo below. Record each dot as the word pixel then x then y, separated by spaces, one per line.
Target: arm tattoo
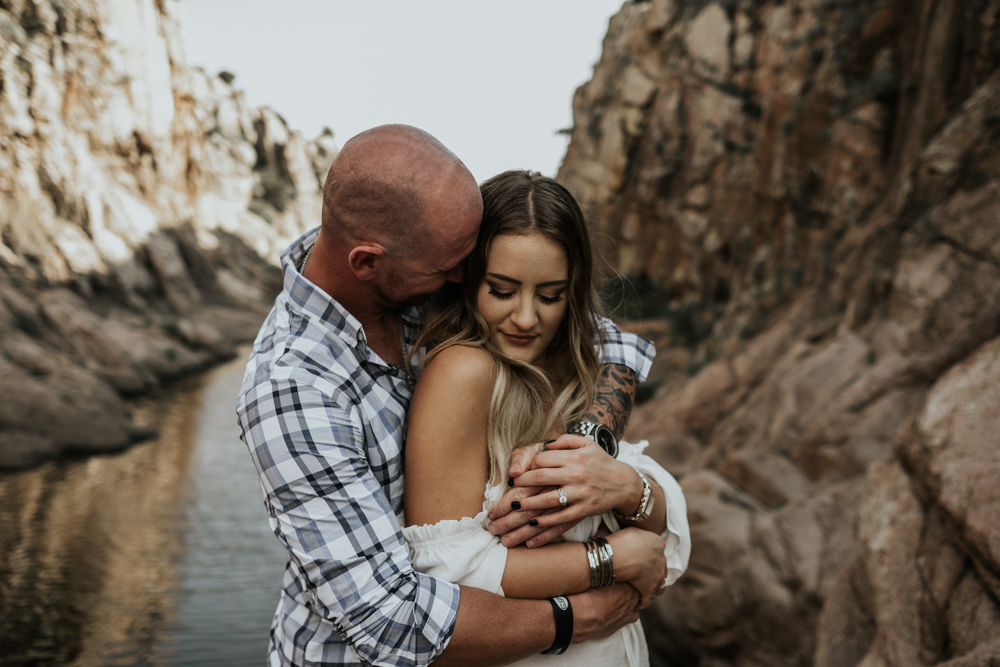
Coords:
pixel 613 399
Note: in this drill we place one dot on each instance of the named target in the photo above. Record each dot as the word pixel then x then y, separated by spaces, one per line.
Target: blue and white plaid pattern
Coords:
pixel 324 419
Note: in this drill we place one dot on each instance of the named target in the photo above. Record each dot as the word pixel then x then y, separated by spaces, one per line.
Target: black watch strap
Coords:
pixel 564 625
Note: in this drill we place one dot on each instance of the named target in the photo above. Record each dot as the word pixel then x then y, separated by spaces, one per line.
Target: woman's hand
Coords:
pixel 639 559
pixel 592 482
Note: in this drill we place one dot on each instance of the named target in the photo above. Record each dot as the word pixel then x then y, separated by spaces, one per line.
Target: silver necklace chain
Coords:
pixel 305 261
pixel 411 381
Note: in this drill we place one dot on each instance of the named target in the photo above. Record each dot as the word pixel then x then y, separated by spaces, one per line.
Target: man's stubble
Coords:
pixel 392 293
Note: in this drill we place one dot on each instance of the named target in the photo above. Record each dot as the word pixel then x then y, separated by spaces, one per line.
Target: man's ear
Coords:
pixel 365 260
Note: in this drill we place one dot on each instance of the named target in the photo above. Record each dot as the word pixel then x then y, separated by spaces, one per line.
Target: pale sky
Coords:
pixel 492 79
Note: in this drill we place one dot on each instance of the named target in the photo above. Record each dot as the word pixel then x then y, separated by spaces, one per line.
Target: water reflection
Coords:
pixel 159 555
pixel 232 565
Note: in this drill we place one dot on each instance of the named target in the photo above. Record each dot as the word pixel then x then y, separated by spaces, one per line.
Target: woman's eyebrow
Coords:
pixel 508 279
pixel 501 276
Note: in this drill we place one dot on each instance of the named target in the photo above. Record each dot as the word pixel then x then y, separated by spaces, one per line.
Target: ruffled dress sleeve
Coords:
pixel 462 552
pixel 677 535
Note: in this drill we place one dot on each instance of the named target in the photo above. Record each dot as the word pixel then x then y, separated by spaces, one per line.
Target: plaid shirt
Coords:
pixel 324 419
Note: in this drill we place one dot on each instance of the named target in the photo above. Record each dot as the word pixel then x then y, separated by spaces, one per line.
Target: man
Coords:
pixel 322 411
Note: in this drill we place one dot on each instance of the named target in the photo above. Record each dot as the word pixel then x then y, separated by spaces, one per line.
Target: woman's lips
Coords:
pixel 518 340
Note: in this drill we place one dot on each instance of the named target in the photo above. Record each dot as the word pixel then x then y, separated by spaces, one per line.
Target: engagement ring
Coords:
pixel 562 497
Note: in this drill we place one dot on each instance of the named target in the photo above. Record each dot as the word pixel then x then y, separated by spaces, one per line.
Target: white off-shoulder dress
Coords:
pixel 464 552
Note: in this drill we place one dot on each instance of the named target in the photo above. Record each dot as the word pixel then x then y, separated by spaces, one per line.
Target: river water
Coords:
pixel 158 555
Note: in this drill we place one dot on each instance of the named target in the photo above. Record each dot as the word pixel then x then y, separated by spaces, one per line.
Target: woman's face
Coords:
pixel 522 297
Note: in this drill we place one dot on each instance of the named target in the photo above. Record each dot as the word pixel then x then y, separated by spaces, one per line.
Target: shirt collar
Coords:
pixel 312 301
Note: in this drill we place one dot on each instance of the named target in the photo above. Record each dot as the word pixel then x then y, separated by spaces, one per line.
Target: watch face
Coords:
pixel 606 439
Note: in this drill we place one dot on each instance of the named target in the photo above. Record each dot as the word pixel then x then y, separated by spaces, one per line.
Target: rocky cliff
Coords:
pixel 813 187
pixel 137 198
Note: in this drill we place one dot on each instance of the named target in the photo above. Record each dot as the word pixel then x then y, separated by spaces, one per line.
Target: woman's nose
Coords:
pixel 524 316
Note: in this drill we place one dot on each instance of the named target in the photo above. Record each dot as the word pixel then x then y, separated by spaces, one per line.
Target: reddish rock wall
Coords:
pixel 819 181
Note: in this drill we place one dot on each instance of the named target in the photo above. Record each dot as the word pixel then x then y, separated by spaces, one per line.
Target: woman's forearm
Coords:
pixel 555 569
pixel 564 569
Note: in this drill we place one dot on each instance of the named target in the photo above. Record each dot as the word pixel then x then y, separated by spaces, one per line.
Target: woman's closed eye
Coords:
pixel 551 299
pixel 498 294
pixel 547 300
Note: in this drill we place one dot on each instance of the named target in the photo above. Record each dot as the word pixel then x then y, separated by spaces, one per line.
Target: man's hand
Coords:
pixel 523 457
pixel 600 612
pixel 592 482
pixel 639 560
pixel 614 395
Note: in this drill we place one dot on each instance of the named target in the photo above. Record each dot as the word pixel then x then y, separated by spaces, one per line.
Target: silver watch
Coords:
pixel 599 433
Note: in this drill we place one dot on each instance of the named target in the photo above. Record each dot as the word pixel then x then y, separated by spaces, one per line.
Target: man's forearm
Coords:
pixel 613 398
pixel 493 630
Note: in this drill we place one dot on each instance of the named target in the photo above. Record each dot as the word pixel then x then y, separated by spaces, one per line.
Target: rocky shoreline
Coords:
pixel 138 197
pixel 70 361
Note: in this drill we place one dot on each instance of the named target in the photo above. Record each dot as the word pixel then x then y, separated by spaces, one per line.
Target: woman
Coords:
pixel 511 362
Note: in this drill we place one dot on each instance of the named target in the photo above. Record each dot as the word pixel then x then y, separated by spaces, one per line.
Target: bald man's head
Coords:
pixel 397 186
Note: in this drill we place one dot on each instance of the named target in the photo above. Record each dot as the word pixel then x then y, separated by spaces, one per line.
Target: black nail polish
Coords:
pixel 532 522
pixel 516 505
pixel 510 482
pixel 547 442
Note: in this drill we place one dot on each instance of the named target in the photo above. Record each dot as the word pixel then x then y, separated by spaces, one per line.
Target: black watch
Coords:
pixel 599 433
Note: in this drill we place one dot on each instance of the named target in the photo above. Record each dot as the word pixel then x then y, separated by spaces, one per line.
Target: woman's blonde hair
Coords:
pixel 528 401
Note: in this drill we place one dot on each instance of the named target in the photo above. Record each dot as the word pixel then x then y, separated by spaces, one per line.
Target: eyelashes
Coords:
pixel 547 300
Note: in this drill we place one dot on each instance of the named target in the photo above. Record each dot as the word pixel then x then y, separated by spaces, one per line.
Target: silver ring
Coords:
pixel 562 497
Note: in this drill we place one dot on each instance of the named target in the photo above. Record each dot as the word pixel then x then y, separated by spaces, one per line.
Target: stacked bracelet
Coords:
pixel 645 502
pixel 602 569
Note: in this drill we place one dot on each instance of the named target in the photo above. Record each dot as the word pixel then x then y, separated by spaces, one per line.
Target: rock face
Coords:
pixel 925 585
pixel 814 187
pixel 137 196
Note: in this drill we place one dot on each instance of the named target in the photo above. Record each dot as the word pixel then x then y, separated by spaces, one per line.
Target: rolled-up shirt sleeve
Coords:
pixel 627 349
pixel 327 508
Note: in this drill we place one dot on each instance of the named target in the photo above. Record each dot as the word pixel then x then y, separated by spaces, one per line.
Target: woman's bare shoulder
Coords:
pixel 463 367
pixel 446 452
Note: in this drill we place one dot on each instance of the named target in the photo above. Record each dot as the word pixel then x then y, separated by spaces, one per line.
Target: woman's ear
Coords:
pixel 364 261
